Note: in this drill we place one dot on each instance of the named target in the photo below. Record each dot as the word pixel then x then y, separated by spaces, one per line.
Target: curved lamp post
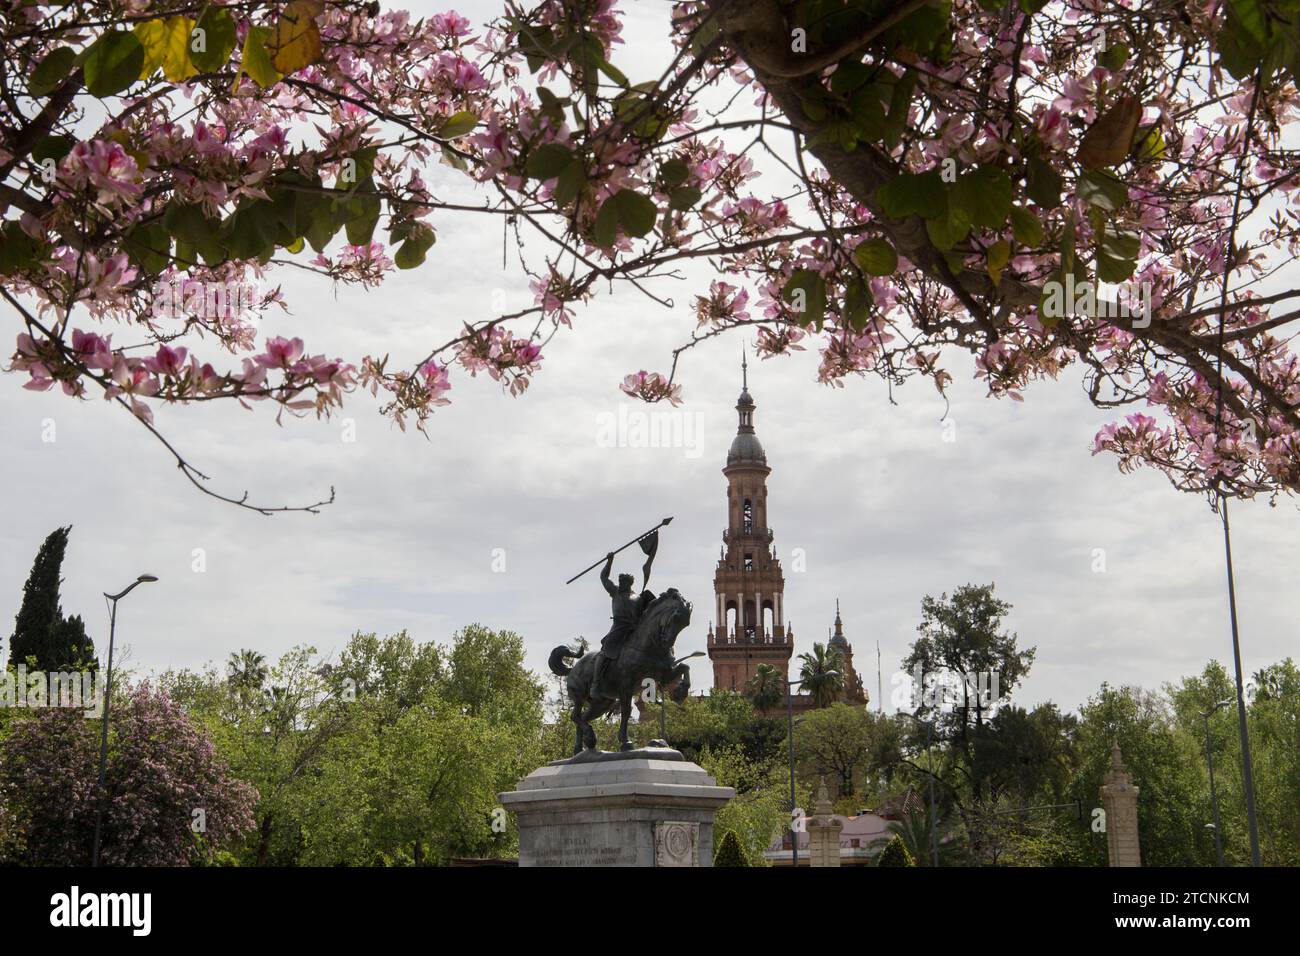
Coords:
pixel 1214 799
pixel 108 699
pixel 663 700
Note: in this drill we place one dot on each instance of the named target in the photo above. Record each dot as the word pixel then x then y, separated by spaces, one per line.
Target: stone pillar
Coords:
pixel 1119 799
pixel 648 807
pixel 823 832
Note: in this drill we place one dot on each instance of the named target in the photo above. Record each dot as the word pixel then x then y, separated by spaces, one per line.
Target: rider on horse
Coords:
pixel 626 611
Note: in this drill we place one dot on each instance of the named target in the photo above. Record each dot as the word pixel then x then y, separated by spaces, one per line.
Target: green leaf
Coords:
pixel 674 172
pixel 18 251
pixel 218 40
pixel 1102 189
pixel 363 215
pixel 458 124
pixel 996 257
pixel 913 194
pixel 1117 255
pixel 876 257
pixel 684 197
pixel 51 71
pixel 196 235
pixel 149 247
pixel 605 231
pixel 548 161
pixel 323 225
pixel 113 63
pixel 947 230
pixel 552 105
pixel 414 249
pixel 1243 40
pixel 295 247
pixel 806 295
pixel 1115 57
pixel 1026 227
pixel 636 213
pixel 857 304
pixel 983 195
pixel 1150 143
pixel 256 60
pixel 569 183
pixel 900 101
pixel 53 147
pixel 1043 183
pixel 166 44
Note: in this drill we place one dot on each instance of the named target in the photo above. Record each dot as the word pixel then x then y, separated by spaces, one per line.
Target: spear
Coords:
pixel 617 550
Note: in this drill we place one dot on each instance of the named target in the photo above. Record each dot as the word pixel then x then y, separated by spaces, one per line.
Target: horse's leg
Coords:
pixel 595 710
pixel 578 726
pixel 626 704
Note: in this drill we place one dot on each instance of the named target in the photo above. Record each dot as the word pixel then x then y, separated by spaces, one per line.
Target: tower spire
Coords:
pixel 744 369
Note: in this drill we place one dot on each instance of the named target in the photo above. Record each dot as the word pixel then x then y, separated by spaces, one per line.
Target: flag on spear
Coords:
pixel 649 544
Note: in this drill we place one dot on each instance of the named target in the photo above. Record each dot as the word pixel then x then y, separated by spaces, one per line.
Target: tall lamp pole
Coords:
pixel 108 701
pixel 789 742
pixel 1214 798
pixel 929 747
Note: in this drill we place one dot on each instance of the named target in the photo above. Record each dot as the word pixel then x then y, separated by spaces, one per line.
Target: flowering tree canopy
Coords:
pixel 936 176
pixel 168 799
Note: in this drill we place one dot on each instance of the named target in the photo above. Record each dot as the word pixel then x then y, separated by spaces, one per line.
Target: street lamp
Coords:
pixel 929 747
pixel 108 700
pixel 1214 799
pixel 663 700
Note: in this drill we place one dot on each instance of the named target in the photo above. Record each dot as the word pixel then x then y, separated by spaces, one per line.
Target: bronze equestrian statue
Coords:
pixel 637 649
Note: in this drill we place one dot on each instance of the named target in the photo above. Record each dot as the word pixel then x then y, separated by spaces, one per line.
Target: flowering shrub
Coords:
pixel 169 800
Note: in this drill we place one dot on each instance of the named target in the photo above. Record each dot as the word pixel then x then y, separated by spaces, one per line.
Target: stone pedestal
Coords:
pixel 824 832
pixel 1119 798
pixel 648 807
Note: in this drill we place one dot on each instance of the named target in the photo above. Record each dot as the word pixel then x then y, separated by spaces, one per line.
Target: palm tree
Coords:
pixel 765 689
pixel 822 674
pixel 246 672
pixel 915 832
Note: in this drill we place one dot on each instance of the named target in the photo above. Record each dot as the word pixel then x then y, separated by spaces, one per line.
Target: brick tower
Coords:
pixel 854 692
pixel 748 585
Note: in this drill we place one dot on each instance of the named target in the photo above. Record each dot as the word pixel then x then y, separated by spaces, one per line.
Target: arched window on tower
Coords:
pixel 749 562
pixel 747 516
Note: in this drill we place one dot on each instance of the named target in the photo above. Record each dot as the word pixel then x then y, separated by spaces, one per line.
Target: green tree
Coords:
pixel 838 741
pixel 822 673
pixel 766 689
pixel 760 810
pixel 1166 764
pixel 730 852
pixel 42 634
pixel 895 853
pixel 915 831
pixel 246 672
pixel 962 641
pixel 1028 755
pixel 485 676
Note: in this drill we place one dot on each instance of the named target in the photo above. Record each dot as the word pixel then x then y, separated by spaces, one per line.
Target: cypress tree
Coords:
pixel 40 629
pixel 730 852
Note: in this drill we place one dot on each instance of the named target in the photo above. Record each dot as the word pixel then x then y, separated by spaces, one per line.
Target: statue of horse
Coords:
pixel 648 653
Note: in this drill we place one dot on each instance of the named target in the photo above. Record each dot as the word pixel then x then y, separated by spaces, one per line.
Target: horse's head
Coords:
pixel 665 618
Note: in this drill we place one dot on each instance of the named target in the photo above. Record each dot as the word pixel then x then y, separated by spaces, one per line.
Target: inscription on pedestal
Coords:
pixel 677 844
pixel 583 851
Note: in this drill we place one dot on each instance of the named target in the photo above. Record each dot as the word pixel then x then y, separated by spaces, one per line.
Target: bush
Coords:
pixel 730 852
pixel 895 854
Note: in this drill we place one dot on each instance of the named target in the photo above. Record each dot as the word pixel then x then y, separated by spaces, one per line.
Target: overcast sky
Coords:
pixel 884 508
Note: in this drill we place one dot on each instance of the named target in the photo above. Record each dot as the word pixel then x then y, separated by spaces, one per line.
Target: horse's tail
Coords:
pixel 557 660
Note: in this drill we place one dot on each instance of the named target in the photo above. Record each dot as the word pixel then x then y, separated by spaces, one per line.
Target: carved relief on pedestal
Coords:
pixel 677 844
